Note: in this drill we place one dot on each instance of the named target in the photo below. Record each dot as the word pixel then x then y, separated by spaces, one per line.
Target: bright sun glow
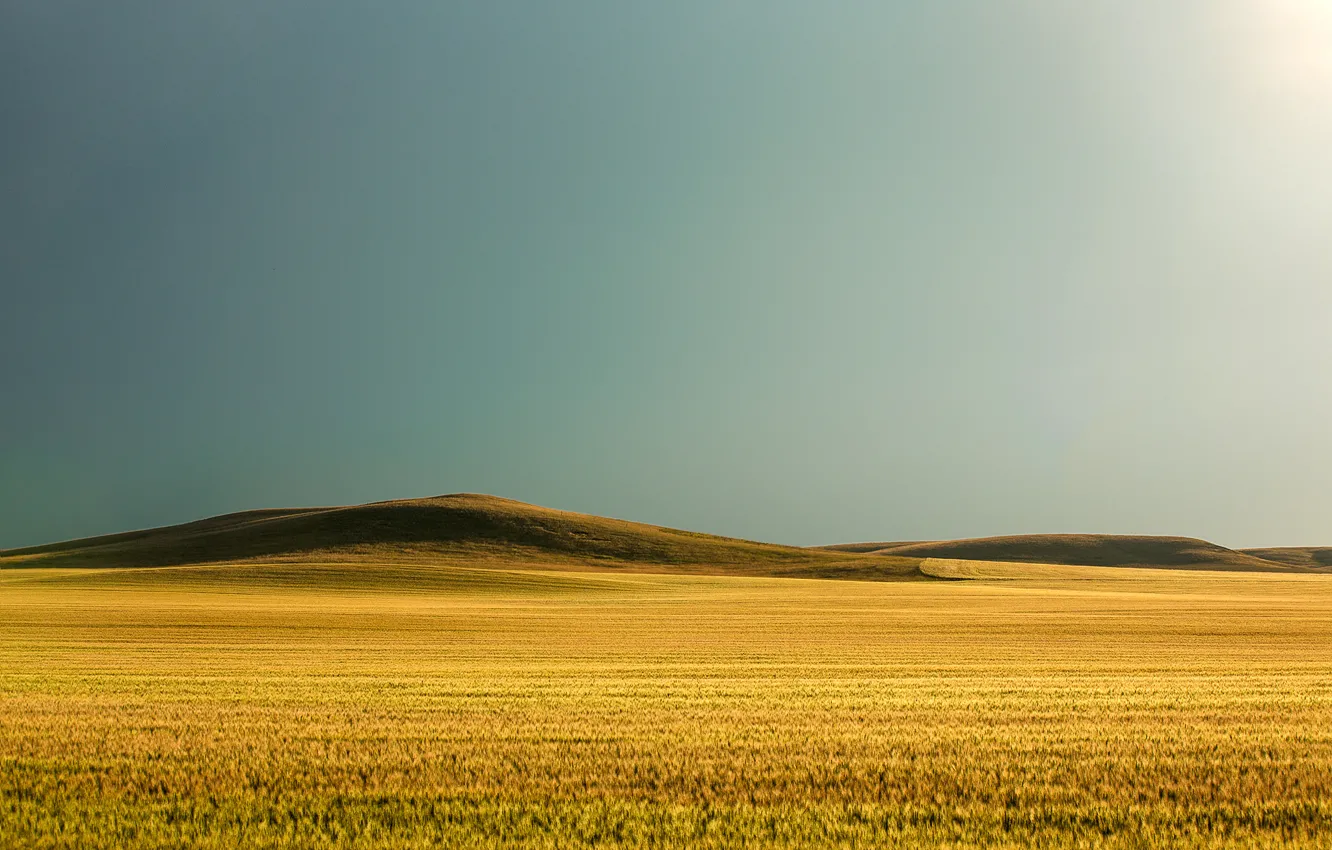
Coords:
pixel 1283 47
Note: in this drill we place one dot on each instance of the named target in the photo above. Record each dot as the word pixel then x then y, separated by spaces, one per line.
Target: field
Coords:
pixel 1011 706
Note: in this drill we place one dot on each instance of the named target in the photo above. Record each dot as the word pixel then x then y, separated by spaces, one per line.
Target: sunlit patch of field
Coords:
pixel 1026 705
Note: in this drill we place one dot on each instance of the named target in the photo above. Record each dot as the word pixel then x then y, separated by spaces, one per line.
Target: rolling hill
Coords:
pixel 1099 550
pixel 460 529
pixel 472 531
pixel 1314 557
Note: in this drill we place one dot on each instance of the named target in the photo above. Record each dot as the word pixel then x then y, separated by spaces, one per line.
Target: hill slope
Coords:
pixel 470 530
pixel 1091 550
pixel 1314 557
pixel 457 529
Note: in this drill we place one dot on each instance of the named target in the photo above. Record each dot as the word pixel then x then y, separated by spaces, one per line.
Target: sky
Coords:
pixel 800 272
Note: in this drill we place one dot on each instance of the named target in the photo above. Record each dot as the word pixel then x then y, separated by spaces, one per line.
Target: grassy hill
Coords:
pixel 1097 550
pixel 1297 556
pixel 469 531
pixel 460 529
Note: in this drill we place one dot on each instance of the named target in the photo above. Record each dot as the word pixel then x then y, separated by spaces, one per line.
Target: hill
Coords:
pixel 464 528
pixel 467 530
pixel 1090 550
pixel 1314 557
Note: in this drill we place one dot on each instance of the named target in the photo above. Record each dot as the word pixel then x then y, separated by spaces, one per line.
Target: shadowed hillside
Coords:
pixel 870 547
pixel 1091 550
pixel 1314 557
pixel 460 528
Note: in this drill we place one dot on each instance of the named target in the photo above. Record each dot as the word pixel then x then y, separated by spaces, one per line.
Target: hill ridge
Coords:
pixel 475 528
pixel 1091 550
pixel 1299 556
pixel 454 528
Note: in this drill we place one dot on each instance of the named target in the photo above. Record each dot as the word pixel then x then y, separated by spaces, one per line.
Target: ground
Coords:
pixel 1000 705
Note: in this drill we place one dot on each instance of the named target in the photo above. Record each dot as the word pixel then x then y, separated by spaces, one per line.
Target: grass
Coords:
pixel 467 530
pixel 263 706
pixel 1102 550
pixel 1312 557
pixel 463 530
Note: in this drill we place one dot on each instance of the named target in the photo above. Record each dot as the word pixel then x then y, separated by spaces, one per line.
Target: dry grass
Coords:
pixel 462 530
pixel 1100 550
pixel 1025 706
pixel 1313 557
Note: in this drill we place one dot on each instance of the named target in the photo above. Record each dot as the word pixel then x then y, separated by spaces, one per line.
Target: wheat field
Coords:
pixel 1000 706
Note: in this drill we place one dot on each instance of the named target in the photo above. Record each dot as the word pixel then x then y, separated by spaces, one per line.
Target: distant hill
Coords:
pixel 870 547
pixel 1314 557
pixel 462 528
pixel 1095 550
pixel 470 530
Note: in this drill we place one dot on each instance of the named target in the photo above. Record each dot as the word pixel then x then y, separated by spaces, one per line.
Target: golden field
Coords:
pixel 1001 706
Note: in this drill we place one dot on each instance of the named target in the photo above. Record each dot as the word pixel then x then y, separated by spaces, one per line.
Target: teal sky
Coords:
pixel 803 272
